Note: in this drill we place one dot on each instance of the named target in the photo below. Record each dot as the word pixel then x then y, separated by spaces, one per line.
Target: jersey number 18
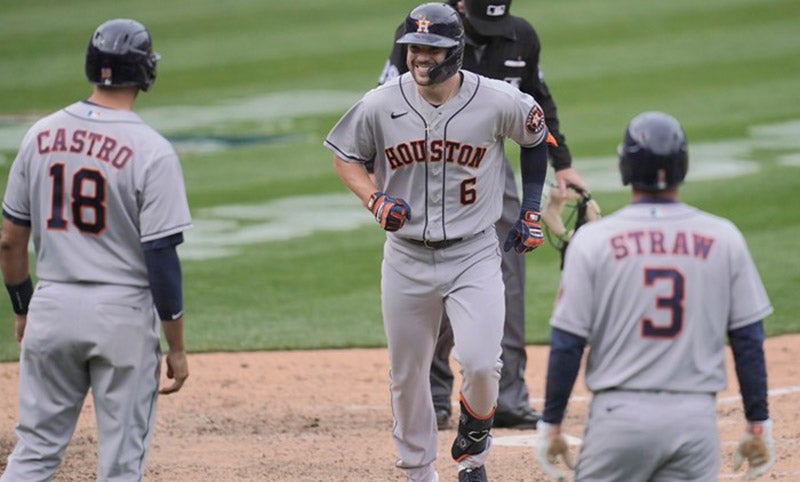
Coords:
pixel 88 197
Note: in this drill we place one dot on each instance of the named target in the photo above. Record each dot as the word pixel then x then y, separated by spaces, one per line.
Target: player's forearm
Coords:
pixel 164 276
pixel 14 265
pixel 533 170
pixel 14 252
pixel 747 345
pixel 354 175
pixel 173 333
pixel 566 351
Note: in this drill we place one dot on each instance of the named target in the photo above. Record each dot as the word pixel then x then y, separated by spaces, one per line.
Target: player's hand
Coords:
pixel 177 370
pixel 391 213
pixel 551 445
pixel 567 177
pixel 526 234
pixel 758 448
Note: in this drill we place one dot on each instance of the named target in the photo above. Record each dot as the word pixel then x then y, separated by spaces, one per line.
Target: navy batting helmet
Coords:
pixel 653 155
pixel 437 25
pixel 120 54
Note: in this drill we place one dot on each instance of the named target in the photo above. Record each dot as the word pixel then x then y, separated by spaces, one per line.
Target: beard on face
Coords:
pixel 426 80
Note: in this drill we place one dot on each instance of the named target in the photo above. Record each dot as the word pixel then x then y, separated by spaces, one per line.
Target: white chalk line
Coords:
pixel 529 439
pixel 772 475
pixel 775 392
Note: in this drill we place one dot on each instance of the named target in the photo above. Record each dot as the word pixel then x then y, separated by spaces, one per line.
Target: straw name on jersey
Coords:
pixel 647 242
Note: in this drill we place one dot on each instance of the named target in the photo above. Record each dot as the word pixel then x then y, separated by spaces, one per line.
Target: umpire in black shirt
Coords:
pixel 501 46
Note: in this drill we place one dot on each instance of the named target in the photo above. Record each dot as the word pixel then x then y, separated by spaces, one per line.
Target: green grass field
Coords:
pixel 248 89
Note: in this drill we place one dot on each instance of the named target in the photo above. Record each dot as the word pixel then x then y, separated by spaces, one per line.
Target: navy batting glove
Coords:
pixel 526 234
pixel 391 213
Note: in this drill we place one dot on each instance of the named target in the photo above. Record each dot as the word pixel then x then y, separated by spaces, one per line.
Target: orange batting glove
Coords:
pixel 391 213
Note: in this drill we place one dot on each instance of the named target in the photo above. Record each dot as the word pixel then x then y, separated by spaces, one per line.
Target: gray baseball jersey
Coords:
pixel 448 163
pixel 95 183
pixel 455 193
pixel 687 267
pixel 105 182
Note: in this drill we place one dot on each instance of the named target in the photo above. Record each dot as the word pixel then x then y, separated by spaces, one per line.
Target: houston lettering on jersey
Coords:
pixel 407 153
pixel 81 141
pixel 655 242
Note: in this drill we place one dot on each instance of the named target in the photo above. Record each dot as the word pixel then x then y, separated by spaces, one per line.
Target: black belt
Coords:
pixel 445 243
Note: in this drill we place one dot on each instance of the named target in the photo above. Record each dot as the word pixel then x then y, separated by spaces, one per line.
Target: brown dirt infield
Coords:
pixel 325 416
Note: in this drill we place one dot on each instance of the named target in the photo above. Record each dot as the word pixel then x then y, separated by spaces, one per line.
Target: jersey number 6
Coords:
pixel 468 192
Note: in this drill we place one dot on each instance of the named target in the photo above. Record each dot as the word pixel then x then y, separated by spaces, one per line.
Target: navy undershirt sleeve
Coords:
pixel 533 170
pixel 164 274
pixel 747 344
pixel 566 351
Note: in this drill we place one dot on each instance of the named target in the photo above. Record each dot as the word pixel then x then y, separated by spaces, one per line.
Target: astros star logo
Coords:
pixel 423 24
pixel 535 120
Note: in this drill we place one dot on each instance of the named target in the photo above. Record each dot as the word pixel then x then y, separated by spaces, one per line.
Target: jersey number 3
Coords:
pixel 673 304
pixel 87 206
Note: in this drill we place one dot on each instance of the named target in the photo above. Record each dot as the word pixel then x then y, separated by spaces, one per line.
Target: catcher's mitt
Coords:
pixel 563 215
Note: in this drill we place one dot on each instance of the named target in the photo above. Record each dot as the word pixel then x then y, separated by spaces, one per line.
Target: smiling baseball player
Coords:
pixel 506 47
pixel 436 136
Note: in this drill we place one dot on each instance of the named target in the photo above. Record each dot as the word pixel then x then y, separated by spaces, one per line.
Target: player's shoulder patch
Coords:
pixel 535 121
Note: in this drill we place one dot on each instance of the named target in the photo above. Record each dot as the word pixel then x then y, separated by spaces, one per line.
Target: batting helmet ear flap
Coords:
pixel 451 64
pixel 624 167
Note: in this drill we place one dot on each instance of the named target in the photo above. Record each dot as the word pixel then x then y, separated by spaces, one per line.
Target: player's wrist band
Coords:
pixel 21 296
pixel 373 199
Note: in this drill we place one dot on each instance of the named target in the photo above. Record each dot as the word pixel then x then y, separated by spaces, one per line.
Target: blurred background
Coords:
pixel 282 256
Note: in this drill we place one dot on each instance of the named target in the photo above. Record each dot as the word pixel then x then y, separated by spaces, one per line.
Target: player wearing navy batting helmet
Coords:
pixel 102 196
pixel 501 46
pixel 435 136
pixel 656 288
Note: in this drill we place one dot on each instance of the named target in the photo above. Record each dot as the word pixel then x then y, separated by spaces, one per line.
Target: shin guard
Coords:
pixel 473 434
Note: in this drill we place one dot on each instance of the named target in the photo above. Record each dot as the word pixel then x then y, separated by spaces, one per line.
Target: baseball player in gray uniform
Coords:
pixel 102 194
pixel 655 288
pixel 506 47
pixel 436 136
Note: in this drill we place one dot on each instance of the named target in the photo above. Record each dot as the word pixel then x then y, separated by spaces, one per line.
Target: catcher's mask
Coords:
pixel 120 54
pixel 437 25
pixel 564 214
pixel 653 155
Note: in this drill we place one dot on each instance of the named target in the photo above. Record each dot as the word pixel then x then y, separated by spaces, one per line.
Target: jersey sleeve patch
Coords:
pixel 535 121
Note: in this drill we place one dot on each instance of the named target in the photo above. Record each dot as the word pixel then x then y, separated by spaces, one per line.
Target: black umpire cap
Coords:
pixel 489 17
